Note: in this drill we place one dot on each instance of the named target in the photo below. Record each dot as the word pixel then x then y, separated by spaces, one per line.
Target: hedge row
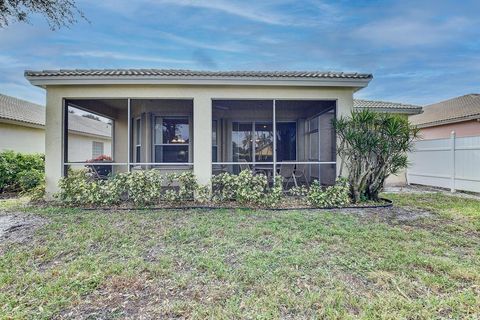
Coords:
pixel 150 187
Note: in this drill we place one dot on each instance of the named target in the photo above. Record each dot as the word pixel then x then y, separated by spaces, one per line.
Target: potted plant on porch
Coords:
pixel 101 171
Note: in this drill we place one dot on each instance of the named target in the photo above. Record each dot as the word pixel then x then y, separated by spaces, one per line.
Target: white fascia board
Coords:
pixel 142 80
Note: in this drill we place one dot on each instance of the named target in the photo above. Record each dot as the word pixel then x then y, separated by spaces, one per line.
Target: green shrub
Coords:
pixel 224 187
pixel 181 187
pixel 149 187
pixel 17 168
pixel 30 179
pixel 141 188
pixel 247 189
pixel 76 188
pixel 337 195
pixel 298 191
pixel 37 193
pixel 372 147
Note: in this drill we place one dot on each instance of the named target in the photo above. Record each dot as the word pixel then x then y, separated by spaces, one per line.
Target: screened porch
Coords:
pixel 291 138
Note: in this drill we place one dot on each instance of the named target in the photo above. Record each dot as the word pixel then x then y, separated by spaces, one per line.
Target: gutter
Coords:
pixel 43 81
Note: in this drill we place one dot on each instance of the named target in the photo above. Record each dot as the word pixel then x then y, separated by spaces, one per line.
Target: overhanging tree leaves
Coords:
pixel 372 147
pixel 58 13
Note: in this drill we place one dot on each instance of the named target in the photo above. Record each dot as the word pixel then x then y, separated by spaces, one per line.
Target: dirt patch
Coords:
pixel 141 297
pixel 8 195
pixel 393 214
pixel 19 227
pixel 419 189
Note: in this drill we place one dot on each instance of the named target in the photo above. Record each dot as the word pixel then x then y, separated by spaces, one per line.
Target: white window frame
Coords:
pixel 138 138
pixel 93 149
pixel 155 144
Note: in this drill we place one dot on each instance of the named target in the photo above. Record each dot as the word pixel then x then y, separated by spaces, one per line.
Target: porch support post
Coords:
pixel 274 129
pixel 54 139
pixel 202 139
pixel 129 132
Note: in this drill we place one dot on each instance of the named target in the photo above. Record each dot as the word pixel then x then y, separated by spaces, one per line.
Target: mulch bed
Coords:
pixel 288 204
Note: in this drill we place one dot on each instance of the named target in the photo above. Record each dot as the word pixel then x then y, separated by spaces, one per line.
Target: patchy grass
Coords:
pixel 249 263
pixel 10 204
pixel 451 207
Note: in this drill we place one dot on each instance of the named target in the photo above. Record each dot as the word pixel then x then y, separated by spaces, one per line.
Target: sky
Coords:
pixel 419 52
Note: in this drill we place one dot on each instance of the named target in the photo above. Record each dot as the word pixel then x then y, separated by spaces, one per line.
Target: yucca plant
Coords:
pixel 372 147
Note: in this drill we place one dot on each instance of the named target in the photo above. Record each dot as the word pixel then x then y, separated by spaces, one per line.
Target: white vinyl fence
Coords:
pixel 452 163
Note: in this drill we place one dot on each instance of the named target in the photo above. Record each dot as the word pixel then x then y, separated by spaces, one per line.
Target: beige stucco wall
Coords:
pixel 21 138
pixel 202 97
pixel 80 147
pixel 462 129
pixel 400 179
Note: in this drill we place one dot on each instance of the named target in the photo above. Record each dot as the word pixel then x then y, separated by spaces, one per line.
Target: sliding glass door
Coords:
pixel 242 134
pixel 286 141
pixel 256 138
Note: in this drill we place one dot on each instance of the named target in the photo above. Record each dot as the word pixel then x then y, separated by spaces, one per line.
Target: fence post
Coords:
pixel 452 144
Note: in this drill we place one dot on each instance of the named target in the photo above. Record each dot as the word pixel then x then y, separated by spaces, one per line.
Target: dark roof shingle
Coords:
pixel 20 110
pixel 194 73
pixel 452 110
pixel 386 106
pixel 15 109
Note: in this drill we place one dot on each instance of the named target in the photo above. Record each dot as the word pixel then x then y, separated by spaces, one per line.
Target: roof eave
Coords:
pixel 408 111
pixel 44 81
pixel 91 135
pixel 22 123
pixel 448 121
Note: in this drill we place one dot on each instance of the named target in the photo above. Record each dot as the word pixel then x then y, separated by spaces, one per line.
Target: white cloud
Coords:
pixel 228 47
pixel 410 31
pixel 240 9
pixel 7 61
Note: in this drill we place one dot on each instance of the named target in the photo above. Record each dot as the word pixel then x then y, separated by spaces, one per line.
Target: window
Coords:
pixel 97 149
pixel 171 139
pixel 138 139
pixel 286 141
pixel 214 141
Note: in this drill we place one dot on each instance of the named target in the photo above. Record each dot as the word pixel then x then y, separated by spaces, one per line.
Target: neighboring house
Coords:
pixel 391 107
pixel 22 129
pixel 460 114
pixel 441 159
pixel 208 121
pixel 385 106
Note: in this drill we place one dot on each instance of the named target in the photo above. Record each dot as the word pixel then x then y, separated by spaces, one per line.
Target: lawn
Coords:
pixel 420 260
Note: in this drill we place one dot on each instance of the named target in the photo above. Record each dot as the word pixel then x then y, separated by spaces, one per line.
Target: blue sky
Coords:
pixel 419 52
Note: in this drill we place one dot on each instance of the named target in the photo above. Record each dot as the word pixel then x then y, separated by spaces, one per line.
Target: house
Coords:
pixel 22 129
pixel 388 107
pixel 440 158
pixel 460 114
pixel 205 121
pixel 401 109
